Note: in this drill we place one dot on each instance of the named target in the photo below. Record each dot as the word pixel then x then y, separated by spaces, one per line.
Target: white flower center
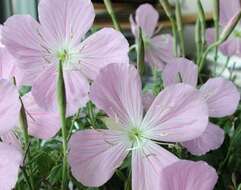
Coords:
pixel 68 55
pixel 136 137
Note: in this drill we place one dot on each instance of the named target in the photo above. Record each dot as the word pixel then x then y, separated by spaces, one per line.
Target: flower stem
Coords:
pixel 216 24
pixel 111 12
pixel 202 20
pixel 198 40
pixel 61 99
pixel 180 27
pixel 223 37
pixel 167 8
pixel 23 124
pixel 140 49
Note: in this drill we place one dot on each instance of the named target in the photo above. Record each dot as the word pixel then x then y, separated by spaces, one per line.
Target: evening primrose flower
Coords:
pixel 221 95
pixel 177 114
pixel 158 48
pixel 192 175
pixel 59 36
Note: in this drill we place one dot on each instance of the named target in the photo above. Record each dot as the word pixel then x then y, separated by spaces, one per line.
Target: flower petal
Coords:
pixel 7 64
pixel 41 124
pixel 10 138
pixel 191 175
pixel 231 47
pixel 211 139
pixel 10 159
pixel 66 20
pixel 147 99
pixel 228 9
pixel 182 70
pixel 89 148
pixel 100 49
pixel 222 97
pixel 117 91
pixel 160 51
pixel 178 113
pixel 9 106
pixel 44 89
pixel 147 164
pixel 76 87
pixel 147 18
pixel 20 35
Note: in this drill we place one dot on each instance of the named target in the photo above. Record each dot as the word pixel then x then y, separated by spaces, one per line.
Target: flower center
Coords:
pixel 68 56
pixel 136 136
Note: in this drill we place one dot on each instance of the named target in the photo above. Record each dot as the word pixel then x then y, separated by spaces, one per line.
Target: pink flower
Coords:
pixel 233 45
pixel 10 159
pixel 158 48
pixel 41 124
pixel 220 94
pixel 193 175
pixel 59 35
pixel 10 154
pixel 9 106
pixel 177 114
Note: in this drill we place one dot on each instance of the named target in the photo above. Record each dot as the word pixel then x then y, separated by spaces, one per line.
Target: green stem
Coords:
pixel 167 8
pixel 202 19
pixel 91 114
pixel 204 55
pixel 216 24
pixel 198 40
pixel 61 99
pixel 111 12
pixel 223 37
pixel 76 116
pixel 225 66
pixel 23 124
pixel 140 49
pixel 180 27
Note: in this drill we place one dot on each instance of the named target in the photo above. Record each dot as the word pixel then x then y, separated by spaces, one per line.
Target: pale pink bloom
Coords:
pixel 177 114
pixel 147 99
pixel 59 35
pixel 8 63
pixel 41 124
pixel 220 94
pixel 158 48
pixel 10 159
pixel 232 46
pixel 189 175
pixel 9 106
pixel 10 138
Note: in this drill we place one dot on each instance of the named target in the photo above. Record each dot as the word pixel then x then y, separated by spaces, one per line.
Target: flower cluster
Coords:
pixel 66 69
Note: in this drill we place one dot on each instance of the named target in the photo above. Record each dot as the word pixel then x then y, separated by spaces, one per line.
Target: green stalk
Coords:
pixel 216 24
pixel 202 19
pixel 167 8
pixel 198 40
pixel 23 124
pixel 223 37
pixel 112 14
pixel 178 12
pixel 140 49
pixel 61 99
